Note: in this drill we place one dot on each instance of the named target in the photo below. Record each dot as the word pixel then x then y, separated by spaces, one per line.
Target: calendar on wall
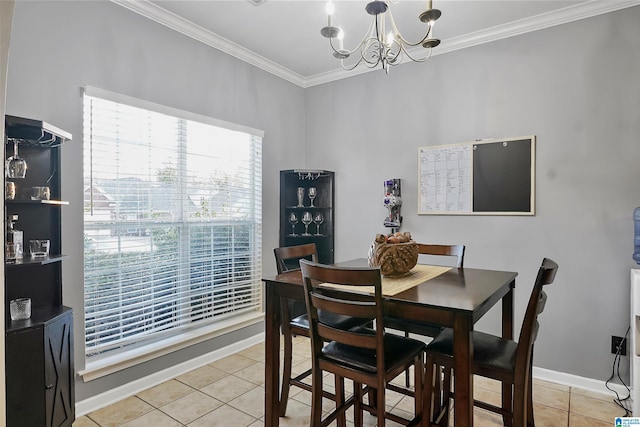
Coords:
pixel 484 177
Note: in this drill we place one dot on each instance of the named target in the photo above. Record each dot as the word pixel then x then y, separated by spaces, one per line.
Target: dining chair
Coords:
pixel 454 253
pixel 493 357
pixel 371 358
pixel 295 320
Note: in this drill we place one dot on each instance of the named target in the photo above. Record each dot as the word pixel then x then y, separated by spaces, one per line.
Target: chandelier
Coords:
pixel 379 46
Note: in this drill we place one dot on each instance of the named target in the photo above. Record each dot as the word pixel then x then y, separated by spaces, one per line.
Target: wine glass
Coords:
pixel 312 194
pixel 317 220
pixel 306 220
pixel 16 166
pixel 293 220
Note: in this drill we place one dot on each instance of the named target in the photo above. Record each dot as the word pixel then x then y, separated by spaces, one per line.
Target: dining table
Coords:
pixel 456 298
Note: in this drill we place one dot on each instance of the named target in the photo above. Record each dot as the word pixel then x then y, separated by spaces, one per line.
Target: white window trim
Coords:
pixel 163 109
pixel 100 366
pixel 110 364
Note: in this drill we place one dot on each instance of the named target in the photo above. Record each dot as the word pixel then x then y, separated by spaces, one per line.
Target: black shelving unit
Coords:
pixel 323 181
pixel 39 350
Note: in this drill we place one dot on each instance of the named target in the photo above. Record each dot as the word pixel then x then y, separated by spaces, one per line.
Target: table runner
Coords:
pixel 394 285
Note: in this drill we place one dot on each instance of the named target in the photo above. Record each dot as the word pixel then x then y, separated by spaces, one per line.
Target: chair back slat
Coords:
pixel 444 250
pixel 537 301
pixel 353 308
pixel 329 333
pixel 288 257
pixel 343 302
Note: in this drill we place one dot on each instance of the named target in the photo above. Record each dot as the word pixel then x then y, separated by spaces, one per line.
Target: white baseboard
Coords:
pixel 94 403
pixel 114 395
pixel 590 384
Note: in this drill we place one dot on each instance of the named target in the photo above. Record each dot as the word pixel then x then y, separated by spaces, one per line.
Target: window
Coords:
pixel 172 221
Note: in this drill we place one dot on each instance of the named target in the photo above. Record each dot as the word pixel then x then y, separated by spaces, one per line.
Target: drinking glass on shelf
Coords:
pixel 312 194
pixel 300 197
pixel 16 166
pixel 293 220
pixel 317 220
pixel 306 220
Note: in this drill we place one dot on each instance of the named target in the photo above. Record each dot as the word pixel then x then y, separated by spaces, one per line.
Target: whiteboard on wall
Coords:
pixel 484 177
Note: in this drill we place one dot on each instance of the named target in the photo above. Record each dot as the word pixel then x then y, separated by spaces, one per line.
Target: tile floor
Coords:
pixel 230 393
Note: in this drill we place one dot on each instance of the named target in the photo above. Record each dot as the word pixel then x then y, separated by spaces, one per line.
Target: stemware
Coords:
pixel 312 194
pixel 293 220
pixel 300 197
pixel 317 220
pixel 306 220
pixel 16 166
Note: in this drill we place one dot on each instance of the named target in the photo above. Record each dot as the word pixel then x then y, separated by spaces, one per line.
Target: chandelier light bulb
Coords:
pixel 388 41
pixel 330 8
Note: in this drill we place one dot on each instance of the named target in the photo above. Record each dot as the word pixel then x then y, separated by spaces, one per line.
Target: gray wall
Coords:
pixel 57 47
pixel 575 87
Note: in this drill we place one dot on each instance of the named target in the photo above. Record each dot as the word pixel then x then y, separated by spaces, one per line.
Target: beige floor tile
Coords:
pixel 580 421
pixel 228 388
pixel 553 397
pixel 482 418
pixel 253 373
pixel 488 396
pixel 549 384
pixel 258 423
pixel 298 415
pixel 84 422
pixel 191 407
pixel 604 395
pixel 224 416
pixel 202 376
pixel 487 384
pixel 164 393
pixel 154 418
pixel 596 408
pixel 121 412
pixel 252 402
pixel 233 363
pixel 255 352
pixel 547 416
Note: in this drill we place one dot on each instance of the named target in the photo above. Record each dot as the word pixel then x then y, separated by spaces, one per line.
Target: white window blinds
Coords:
pixel 172 221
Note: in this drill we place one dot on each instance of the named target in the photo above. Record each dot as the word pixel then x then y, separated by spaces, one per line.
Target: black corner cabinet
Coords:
pixel 39 350
pixel 295 232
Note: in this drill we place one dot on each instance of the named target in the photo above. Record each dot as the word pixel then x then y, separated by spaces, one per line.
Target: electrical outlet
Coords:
pixel 618 342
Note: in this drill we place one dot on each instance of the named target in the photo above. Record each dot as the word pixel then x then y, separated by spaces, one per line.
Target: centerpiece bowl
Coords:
pixel 396 254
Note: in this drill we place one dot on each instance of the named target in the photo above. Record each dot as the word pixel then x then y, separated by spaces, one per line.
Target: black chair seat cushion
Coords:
pixel 296 308
pixel 335 320
pixel 488 350
pixel 397 350
pixel 414 327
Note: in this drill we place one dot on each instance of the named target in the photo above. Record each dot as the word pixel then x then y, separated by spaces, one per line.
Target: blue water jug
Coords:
pixel 636 238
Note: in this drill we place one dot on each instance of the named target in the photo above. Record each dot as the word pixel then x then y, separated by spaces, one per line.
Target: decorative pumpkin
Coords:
pixel 395 254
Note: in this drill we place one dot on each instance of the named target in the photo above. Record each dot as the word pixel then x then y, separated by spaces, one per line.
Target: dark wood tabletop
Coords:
pixel 457 298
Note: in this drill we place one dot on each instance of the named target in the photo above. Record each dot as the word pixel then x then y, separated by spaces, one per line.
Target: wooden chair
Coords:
pixel 495 358
pixel 369 357
pixel 424 328
pixel 296 322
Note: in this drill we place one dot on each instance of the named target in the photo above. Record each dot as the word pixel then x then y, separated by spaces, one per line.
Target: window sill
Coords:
pixel 103 366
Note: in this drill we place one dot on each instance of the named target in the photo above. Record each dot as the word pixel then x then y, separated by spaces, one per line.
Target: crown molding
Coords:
pixel 538 22
pixel 196 32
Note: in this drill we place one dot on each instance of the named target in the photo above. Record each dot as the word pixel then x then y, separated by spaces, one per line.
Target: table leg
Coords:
pixel 507 333
pixel 272 358
pixel 507 314
pixel 463 368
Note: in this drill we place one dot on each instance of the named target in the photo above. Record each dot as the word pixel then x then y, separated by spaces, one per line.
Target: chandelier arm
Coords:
pixel 401 37
pixel 406 52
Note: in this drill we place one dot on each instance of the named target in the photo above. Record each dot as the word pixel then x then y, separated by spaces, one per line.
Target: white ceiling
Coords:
pixel 283 37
